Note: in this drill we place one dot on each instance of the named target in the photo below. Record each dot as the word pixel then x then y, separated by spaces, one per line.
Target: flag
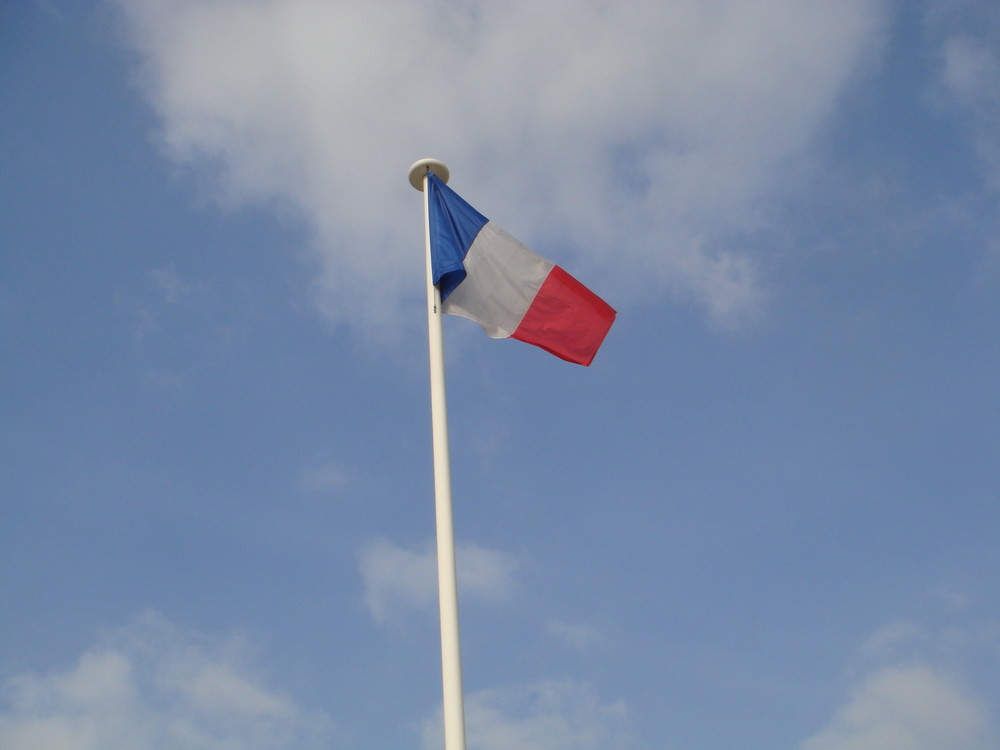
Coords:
pixel 486 275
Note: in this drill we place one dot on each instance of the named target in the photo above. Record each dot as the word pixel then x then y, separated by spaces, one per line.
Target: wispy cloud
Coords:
pixel 324 477
pixel 890 639
pixel 397 579
pixel 578 635
pixel 967 36
pixel 647 138
pixel 171 285
pixel 551 715
pixel 152 686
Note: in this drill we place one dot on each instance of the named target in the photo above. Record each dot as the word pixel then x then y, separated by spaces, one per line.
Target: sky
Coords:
pixel 766 517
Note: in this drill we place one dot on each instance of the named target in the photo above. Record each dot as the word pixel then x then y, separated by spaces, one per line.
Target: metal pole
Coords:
pixel 451 657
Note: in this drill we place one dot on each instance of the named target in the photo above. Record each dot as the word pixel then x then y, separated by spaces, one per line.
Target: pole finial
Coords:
pixel 422 167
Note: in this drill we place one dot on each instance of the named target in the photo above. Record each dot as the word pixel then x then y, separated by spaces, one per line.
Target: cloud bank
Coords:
pixel 153 686
pixel 646 140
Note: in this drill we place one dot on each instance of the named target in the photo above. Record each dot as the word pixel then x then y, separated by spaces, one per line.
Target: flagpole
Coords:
pixel 451 656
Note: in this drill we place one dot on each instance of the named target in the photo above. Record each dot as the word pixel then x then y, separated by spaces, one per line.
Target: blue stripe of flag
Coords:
pixel 454 226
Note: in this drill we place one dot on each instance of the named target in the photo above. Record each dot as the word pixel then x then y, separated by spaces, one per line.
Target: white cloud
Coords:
pixel 398 579
pixel 650 137
pixel 912 707
pixel 151 686
pixel 552 715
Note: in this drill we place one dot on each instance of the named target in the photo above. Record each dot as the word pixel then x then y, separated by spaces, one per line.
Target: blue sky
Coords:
pixel 766 517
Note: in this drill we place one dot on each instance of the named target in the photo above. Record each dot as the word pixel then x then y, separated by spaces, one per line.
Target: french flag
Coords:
pixel 486 275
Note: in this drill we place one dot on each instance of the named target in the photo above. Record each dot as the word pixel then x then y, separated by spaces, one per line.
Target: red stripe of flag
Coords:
pixel 566 319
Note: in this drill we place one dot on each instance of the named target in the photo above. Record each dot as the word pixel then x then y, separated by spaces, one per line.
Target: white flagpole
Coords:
pixel 451 656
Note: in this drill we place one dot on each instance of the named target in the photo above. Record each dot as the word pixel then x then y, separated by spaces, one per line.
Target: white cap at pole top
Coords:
pixel 422 167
